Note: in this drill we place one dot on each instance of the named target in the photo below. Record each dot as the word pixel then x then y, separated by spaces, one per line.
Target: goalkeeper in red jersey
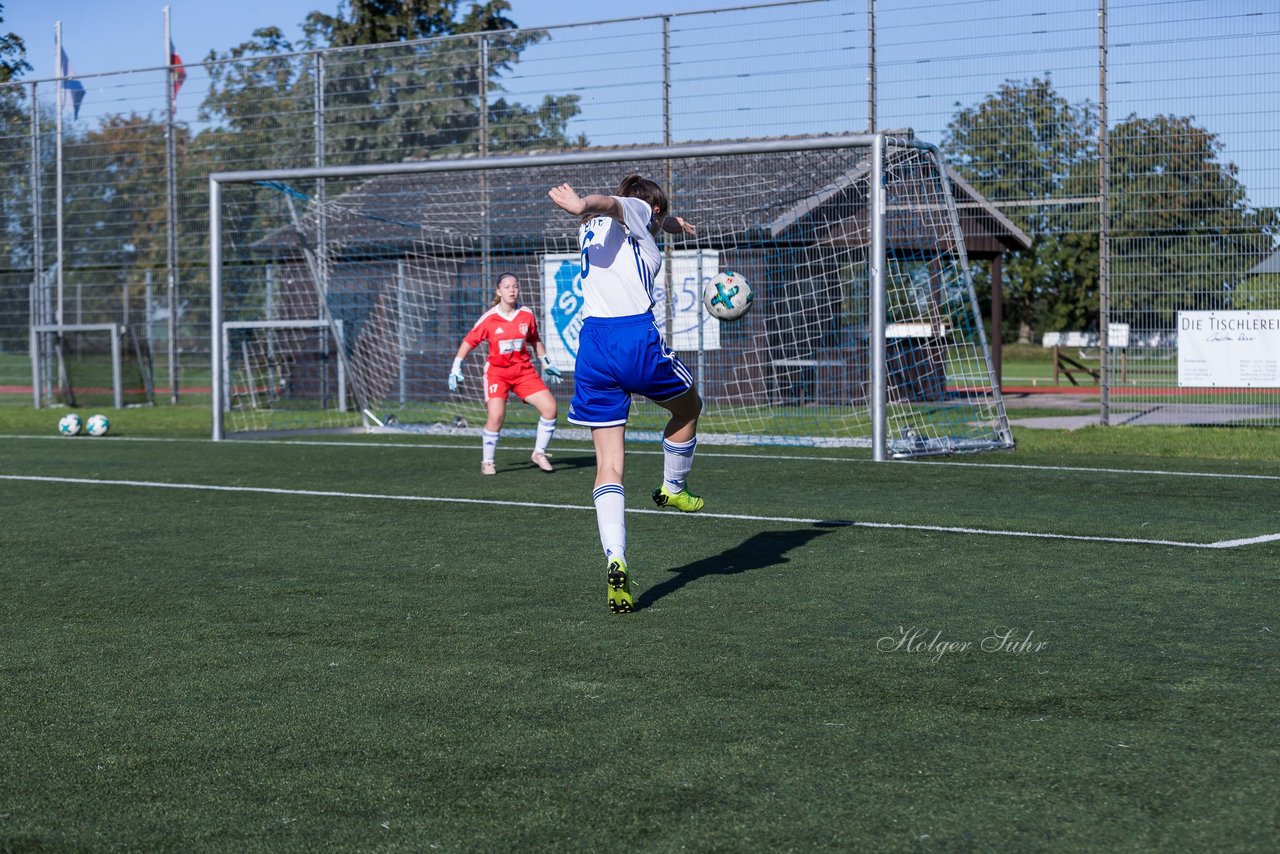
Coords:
pixel 510 330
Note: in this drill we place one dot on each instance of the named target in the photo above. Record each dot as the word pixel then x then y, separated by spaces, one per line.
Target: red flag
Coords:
pixel 179 74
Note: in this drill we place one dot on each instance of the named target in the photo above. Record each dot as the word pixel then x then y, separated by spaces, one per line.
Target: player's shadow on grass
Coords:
pixel 760 551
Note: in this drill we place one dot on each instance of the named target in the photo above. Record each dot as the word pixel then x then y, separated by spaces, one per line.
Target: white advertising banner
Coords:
pixel 1235 349
pixel 691 326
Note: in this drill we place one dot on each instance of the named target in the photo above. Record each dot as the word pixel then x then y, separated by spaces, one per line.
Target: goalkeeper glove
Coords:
pixel 550 373
pixel 455 375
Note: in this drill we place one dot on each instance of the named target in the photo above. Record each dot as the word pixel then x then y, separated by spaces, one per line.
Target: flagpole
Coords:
pixel 171 210
pixel 57 59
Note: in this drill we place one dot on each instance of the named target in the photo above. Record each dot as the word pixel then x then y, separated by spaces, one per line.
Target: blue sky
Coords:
pixel 1214 60
pixel 114 35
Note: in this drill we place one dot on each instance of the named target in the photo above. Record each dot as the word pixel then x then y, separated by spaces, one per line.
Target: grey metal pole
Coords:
pixel 37 247
pixel 215 307
pixel 57 31
pixel 319 159
pixel 402 335
pixel 148 296
pixel 701 309
pixel 668 278
pixel 117 384
pixel 876 198
pixel 1104 221
pixel 482 109
pixel 171 216
pixel 871 66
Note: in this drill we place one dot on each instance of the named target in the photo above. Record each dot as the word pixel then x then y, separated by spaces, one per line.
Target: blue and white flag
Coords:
pixel 70 92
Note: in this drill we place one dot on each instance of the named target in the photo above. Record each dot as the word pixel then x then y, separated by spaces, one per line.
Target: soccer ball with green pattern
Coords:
pixel 97 425
pixel 69 424
pixel 727 296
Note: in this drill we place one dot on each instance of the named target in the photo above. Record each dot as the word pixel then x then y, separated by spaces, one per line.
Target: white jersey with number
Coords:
pixel 620 262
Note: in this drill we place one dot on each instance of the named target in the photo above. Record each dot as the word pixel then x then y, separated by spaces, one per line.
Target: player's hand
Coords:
pixel 551 375
pixel 567 199
pixel 678 225
pixel 455 380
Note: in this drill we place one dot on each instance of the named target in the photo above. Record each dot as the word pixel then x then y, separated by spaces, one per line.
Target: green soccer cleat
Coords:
pixel 620 601
pixel 684 500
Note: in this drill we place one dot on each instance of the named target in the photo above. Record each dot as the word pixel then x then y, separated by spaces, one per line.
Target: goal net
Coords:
pixel 341 296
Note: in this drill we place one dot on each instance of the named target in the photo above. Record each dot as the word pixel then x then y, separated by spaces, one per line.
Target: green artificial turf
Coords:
pixel 340 665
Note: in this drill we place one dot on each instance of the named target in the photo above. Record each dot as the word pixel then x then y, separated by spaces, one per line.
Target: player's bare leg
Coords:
pixel 610 504
pixel 679 440
pixel 545 402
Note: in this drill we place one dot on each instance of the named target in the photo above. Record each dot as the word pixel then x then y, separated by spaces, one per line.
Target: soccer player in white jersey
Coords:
pixel 621 352
pixel 510 329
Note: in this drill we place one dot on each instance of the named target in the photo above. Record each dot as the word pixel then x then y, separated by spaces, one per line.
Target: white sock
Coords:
pixel 546 430
pixel 490 446
pixel 677 459
pixel 611 519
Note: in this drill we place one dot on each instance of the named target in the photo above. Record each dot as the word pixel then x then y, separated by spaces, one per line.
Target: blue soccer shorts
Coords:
pixel 619 357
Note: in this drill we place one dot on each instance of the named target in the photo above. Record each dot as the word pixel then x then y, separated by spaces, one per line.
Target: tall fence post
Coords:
pixel 482 109
pixel 171 215
pixel 668 278
pixel 871 66
pixel 216 401
pixel 36 308
pixel 1104 222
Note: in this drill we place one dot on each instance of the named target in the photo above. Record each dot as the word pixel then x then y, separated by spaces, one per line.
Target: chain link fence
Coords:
pixel 1132 142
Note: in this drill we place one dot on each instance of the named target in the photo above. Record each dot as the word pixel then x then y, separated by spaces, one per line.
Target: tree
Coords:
pixel 16 247
pixel 1027 142
pixel 13 54
pixel 1182 230
pixel 405 98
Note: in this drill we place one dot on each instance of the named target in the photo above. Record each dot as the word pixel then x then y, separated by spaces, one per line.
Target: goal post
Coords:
pixel 865 330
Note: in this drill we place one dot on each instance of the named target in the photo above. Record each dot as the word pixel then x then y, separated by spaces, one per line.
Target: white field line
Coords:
pixel 707 453
pixel 316 493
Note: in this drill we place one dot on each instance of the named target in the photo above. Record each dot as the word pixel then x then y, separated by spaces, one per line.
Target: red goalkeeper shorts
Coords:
pixel 522 379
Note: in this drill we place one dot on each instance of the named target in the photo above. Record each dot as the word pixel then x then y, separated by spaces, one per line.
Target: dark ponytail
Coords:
pixel 647 191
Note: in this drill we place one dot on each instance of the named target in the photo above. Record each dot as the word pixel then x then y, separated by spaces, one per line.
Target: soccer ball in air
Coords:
pixel 70 424
pixel 727 296
pixel 97 425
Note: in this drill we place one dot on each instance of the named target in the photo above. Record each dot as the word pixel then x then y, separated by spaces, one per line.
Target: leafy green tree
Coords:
pixel 260 117
pixel 15 190
pixel 405 98
pixel 1027 142
pixel 13 54
pixel 1182 230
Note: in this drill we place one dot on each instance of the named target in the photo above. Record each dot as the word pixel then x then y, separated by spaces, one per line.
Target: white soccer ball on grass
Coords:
pixel 69 424
pixel 97 425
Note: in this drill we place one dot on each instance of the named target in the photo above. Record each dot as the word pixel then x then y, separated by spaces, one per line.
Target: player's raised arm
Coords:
pixel 567 199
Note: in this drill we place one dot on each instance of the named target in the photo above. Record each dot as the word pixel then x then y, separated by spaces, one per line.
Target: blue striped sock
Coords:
pixel 611 507
pixel 677 459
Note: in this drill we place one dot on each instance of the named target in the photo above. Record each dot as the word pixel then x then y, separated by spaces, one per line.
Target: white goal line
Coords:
pixel 763 453
pixel 492 502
